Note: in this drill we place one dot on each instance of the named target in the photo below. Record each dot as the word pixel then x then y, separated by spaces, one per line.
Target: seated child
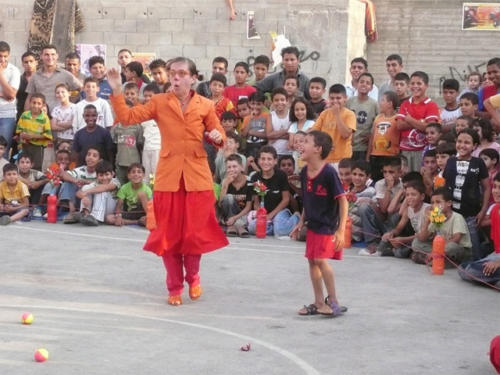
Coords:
pixel 375 216
pixel 3 161
pixel 235 201
pixel 345 173
pixel 443 152
pixel 468 104
pixel 242 111
pixel 454 230
pixel 433 133
pixel 463 122
pixel 98 197
pixel 133 197
pixel 14 196
pixel 490 158
pixel 358 194
pixel 486 134
pixel 429 170
pixel 301 117
pixel 280 220
pixel 230 147
pixel 297 147
pixel 35 180
pixel 286 163
pixel 487 269
pixel 75 179
pixel 394 243
pixel 55 171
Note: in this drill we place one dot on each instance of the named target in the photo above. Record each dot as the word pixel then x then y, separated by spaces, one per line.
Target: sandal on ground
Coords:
pixel 174 300
pixel 336 309
pixel 242 232
pixel 231 232
pixel 309 310
pixel 195 292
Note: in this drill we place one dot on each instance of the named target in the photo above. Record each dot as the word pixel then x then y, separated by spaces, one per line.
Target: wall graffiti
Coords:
pixel 460 75
pixel 303 56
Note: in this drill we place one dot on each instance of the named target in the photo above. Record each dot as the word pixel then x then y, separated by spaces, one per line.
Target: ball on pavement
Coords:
pixel 41 355
pixel 27 318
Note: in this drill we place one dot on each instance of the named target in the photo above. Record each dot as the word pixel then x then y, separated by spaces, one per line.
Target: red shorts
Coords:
pixel 185 223
pixel 321 246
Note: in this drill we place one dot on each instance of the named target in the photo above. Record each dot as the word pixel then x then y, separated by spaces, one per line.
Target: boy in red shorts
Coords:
pixel 325 210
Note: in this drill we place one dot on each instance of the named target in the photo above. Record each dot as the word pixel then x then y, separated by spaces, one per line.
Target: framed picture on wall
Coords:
pixel 481 16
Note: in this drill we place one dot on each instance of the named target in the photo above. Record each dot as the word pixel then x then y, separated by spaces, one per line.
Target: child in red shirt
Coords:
pixel 222 104
pixel 240 89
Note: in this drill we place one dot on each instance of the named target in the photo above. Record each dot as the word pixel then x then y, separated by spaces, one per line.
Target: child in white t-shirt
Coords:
pixel 62 116
pixel 152 138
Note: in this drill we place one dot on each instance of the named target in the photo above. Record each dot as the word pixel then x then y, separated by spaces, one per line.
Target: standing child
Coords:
pixel 301 118
pixel 384 139
pixel 451 110
pixel 454 230
pixel 92 136
pixel 468 104
pixel 317 88
pixel 260 68
pixel 339 123
pixel 230 148
pixel 98 71
pixel 486 136
pixel 14 196
pixel 325 211
pixel 219 65
pixel 152 138
pixel 291 86
pixel 413 117
pixel 429 170
pixel 254 126
pixel 467 178
pixel 277 129
pixel 159 74
pixel 228 121
pixel 240 89
pixel 104 114
pixel 443 152
pixel 98 197
pixel 474 81
pixel 366 110
pixel 133 74
pixel 463 122
pixel 298 144
pixel 62 116
pixel 33 129
pixel 401 86
pixel 222 104
pixel 129 141
pixel 433 133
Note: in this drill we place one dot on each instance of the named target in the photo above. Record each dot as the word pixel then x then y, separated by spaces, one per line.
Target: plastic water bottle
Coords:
pixel 52 209
pixel 261 228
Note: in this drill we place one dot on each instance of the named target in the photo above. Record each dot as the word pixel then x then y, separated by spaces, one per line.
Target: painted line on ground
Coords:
pixel 308 369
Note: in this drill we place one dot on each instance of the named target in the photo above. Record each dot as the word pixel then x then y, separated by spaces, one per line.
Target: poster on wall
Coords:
pixel 251 28
pixel 145 58
pixel 86 51
pixel 481 16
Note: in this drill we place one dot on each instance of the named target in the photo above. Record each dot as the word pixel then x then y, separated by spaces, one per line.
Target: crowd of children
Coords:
pixel 397 155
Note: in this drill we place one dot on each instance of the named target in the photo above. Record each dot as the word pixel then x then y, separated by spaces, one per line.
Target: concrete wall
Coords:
pixel 201 29
pixel 428 35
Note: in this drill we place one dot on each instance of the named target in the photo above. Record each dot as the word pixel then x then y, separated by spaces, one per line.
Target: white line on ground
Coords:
pixel 308 369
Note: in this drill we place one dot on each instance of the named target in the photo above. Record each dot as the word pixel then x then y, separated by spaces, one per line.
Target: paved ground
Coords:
pixel 99 306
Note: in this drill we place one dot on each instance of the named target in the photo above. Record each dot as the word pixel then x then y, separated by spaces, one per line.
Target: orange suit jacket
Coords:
pixel 182 134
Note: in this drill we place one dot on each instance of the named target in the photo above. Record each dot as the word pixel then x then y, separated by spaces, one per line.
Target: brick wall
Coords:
pixel 428 35
pixel 201 29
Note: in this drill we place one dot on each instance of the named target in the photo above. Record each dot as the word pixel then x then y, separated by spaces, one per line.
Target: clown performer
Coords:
pixel 184 202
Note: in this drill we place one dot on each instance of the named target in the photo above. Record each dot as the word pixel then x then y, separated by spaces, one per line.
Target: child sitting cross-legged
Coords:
pixel 98 197
pixel 393 243
pixel 34 179
pixel 454 230
pixel 14 196
pixel 133 197
pixel 360 174
pixel 235 200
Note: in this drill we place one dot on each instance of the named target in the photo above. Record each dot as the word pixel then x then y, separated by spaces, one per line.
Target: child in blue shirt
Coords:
pixel 325 211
